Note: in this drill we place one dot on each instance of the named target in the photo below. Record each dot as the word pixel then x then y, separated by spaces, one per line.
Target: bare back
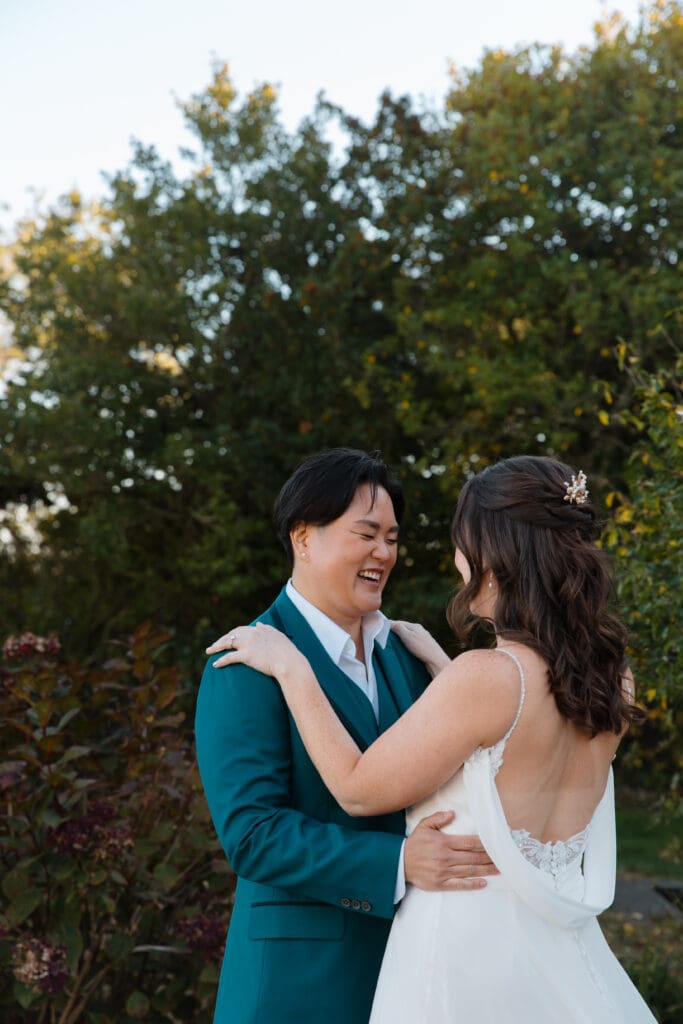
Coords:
pixel 553 774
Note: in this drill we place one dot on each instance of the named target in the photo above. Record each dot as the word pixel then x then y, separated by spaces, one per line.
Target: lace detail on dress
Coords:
pixel 552 858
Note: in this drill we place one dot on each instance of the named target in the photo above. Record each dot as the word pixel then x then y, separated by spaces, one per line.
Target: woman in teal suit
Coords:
pixel 317 888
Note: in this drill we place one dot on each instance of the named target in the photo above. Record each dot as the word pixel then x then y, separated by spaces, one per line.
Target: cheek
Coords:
pixel 463 569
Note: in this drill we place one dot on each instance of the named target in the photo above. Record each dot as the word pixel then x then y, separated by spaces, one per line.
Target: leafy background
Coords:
pixel 450 286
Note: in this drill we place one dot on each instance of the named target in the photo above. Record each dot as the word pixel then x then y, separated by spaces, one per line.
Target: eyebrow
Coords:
pixel 374 525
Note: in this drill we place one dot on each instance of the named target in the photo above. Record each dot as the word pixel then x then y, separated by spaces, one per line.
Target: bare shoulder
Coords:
pixel 485 672
pixel 485 687
pixel 486 660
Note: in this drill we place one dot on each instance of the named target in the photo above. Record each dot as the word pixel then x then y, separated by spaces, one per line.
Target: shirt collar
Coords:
pixel 376 626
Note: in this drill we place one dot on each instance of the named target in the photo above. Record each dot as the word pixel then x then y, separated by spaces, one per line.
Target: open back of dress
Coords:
pixel 528 948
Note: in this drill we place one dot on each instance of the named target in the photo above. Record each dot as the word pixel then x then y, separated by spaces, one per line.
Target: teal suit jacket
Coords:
pixel 315 889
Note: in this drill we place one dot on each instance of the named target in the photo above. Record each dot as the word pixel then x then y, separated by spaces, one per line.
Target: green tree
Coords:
pixel 645 538
pixel 182 356
pixel 448 289
pixel 553 230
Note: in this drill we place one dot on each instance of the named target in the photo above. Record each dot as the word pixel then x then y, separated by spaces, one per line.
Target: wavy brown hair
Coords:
pixel 554 589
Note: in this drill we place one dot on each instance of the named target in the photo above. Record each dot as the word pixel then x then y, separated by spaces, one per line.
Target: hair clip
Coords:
pixel 577 490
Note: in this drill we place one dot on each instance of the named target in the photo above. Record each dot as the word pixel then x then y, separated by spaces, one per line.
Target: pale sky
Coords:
pixel 80 78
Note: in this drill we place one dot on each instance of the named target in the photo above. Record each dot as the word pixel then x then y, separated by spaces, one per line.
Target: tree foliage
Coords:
pixel 447 286
pixel 645 537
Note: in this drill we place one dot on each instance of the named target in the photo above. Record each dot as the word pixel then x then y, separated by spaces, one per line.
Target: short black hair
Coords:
pixel 321 489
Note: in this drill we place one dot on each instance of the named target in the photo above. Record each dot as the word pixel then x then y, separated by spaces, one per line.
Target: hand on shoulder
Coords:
pixel 262 648
pixel 422 644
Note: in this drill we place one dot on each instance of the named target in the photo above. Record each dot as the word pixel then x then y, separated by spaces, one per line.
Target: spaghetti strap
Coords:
pixel 522 694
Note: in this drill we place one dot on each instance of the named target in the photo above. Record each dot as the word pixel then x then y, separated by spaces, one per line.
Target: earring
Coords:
pixel 491 581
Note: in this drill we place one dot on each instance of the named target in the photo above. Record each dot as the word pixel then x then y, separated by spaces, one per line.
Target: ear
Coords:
pixel 299 538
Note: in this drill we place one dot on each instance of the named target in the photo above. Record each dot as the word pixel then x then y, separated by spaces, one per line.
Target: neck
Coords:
pixel 353 625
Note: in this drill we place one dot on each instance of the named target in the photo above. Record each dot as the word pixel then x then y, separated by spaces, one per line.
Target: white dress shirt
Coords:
pixel 340 647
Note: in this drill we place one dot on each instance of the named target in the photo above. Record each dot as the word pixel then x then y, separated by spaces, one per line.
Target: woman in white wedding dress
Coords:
pixel 519 741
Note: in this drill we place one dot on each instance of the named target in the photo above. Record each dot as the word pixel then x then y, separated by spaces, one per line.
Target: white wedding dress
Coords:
pixel 528 948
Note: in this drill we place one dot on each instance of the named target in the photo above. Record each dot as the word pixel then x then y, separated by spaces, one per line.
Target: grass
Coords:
pixel 646 844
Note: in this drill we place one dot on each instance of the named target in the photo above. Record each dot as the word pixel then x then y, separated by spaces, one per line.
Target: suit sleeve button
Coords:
pixel 366 906
pixel 355 904
pixel 346 902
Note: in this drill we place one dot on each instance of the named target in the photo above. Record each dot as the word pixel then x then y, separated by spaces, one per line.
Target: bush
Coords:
pixel 115 893
pixel 644 536
pixel 649 948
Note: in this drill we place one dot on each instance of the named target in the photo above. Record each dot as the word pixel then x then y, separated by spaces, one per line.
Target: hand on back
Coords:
pixel 436 861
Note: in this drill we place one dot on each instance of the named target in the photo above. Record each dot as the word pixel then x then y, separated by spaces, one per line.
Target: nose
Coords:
pixel 383 550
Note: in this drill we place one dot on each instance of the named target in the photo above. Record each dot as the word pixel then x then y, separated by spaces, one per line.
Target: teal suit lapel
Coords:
pixel 395 675
pixel 350 704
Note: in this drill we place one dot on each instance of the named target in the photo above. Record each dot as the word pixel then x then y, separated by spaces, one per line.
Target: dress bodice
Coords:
pixel 474 785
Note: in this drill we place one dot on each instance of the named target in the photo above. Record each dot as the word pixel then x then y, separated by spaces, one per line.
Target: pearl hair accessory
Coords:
pixel 577 491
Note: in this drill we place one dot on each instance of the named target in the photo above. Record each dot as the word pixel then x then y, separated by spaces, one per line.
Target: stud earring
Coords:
pixel 491 581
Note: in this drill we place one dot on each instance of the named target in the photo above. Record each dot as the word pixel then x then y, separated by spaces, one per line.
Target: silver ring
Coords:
pixel 231 639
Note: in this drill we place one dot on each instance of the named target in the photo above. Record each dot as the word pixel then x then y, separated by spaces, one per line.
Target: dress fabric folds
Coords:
pixel 528 949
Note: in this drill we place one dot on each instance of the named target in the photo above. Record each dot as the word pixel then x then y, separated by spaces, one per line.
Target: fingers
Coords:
pixel 468 851
pixel 222 644
pixel 465 844
pixel 449 883
pixel 472 871
pixel 438 820
pixel 228 641
pixel 463 884
pixel 458 857
pixel 401 626
pixel 461 843
pixel 228 659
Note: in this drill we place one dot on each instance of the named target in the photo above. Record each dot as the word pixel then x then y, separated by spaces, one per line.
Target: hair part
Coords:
pixel 321 489
pixel 553 586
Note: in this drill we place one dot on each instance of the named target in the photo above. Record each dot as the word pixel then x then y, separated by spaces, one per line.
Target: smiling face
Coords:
pixel 342 567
